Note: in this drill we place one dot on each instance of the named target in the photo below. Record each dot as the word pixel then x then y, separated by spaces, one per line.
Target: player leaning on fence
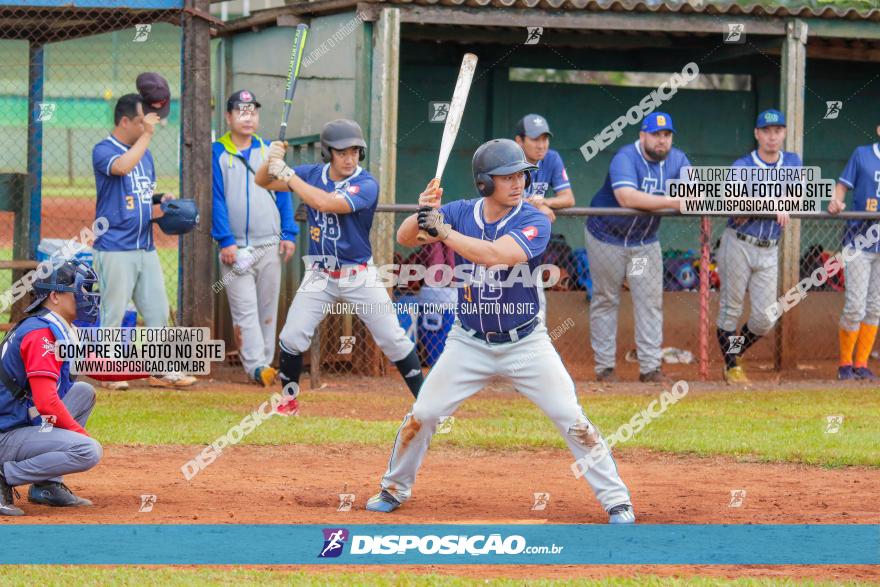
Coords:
pixel 627 246
pixel 861 312
pixel 748 255
pixel 126 259
pixel 248 222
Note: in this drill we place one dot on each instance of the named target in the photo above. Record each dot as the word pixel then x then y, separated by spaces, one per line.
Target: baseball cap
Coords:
pixel 532 126
pixel 770 118
pixel 657 121
pixel 241 97
pixel 155 92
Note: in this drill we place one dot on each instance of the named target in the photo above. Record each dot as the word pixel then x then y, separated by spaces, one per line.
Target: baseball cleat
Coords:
pixel 845 373
pixel 383 502
pixel 290 407
pixel 622 514
pixel 606 376
pixel 655 376
pixel 7 502
pixel 115 385
pixel 864 374
pixel 736 376
pixel 55 494
pixel 265 376
pixel 172 380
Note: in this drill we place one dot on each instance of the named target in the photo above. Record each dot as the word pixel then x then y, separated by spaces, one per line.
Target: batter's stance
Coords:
pixel 748 255
pixel 619 246
pixel 486 341
pixel 341 199
pixel 861 311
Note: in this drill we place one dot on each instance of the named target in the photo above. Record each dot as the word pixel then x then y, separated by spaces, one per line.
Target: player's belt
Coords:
pixel 764 243
pixel 347 270
pixel 513 335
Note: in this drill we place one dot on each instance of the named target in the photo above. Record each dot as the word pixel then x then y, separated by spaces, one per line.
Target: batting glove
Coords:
pixel 431 221
pixel 279 170
pixel 277 150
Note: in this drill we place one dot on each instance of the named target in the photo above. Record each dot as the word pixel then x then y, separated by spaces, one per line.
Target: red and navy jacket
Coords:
pixel 28 359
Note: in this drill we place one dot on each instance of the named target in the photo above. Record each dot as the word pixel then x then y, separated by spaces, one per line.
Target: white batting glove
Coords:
pixel 277 150
pixel 279 170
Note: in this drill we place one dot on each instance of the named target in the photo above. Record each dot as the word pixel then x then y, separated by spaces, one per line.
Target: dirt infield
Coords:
pixel 300 484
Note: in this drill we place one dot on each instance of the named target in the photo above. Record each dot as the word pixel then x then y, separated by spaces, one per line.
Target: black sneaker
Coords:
pixel 655 376
pixel 55 494
pixel 7 504
pixel 605 376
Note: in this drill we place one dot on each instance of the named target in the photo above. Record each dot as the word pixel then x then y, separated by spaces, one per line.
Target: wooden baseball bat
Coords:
pixel 453 119
pixel 299 44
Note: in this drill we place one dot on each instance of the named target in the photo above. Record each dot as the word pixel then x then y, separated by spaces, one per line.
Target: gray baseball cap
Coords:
pixel 532 126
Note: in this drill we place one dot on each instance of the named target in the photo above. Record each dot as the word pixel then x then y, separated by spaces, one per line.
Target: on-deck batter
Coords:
pixel 340 198
pixel 497 229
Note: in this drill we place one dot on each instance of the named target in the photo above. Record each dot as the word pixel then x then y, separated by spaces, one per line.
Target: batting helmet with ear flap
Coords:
pixel 341 134
pixel 178 216
pixel 498 157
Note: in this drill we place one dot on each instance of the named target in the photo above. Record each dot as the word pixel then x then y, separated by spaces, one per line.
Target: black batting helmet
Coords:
pixel 498 157
pixel 341 134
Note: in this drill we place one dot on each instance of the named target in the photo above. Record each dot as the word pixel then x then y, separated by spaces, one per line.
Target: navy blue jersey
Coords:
pixel 49 328
pixel 763 228
pixel 343 237
pixel 862 176
pixel 124 200
pixel 550 175
pixel 629 168
pixel 484 305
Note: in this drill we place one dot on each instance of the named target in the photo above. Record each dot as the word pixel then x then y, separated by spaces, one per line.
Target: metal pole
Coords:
pixel 33 208
pixel 705 237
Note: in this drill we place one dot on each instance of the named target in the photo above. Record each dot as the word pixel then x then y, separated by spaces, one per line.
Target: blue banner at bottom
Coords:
pixel 442 544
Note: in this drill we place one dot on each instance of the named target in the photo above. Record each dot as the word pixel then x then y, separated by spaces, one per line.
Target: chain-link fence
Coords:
pixel 63 69
pixel 638 308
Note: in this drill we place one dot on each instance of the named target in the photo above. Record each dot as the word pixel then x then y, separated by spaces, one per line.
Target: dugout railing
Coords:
pixel 803 344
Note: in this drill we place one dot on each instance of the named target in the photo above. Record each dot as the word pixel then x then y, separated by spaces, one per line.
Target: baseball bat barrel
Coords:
pixel 296 53
pixel 453 119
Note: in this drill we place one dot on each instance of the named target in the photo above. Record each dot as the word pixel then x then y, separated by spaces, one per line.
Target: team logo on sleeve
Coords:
pixel 48 347
pixel 564 174
pixel 353 189
pixel 530 232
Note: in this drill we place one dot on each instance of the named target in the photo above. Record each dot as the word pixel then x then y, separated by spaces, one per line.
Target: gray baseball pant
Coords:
pixel 609 264
pixel 253 302
pixel 743 266
pixel 127 275
pixel 30 456
pixel 862 291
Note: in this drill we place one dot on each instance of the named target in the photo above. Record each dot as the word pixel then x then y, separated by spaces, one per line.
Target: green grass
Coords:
pixel 167 257
pixel 136 576
pixel 83 186
pixel 771 426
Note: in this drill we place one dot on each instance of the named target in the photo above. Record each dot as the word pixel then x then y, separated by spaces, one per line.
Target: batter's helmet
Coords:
pixel 178 216
pixel 341 134
pixel 498 157
pixel 71 276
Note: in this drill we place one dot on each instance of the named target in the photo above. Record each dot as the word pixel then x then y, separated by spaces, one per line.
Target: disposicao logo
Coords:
pixel 334 541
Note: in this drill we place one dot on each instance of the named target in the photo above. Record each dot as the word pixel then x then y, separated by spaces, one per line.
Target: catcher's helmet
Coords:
pixel 341 134
pixel 70 276
pixel 498 157
pixel 178 216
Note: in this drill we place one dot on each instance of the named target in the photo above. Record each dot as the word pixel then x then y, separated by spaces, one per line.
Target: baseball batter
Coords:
pixel 497 331
pixel 748 255
pixel 533 135
pixel 341 199
pixel 621 246
pixel 861 311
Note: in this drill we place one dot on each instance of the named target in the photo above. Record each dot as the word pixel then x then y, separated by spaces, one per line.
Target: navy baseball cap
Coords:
pixel 532 126
pixel 155 93
pixel 657 121
pixel 241 97
pixel 770 118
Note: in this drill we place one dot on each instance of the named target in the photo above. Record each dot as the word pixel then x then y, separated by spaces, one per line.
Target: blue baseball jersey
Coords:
pixel 344 237
pixel 629 168
pixel 484 304
pixel 124 200
pixel 862 176
pixel 763 228
pixel 550 175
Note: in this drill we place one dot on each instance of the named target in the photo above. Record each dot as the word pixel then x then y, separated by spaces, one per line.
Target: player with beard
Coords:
pixel 627 246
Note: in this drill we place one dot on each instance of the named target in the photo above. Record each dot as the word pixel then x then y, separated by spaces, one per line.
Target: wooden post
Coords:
pixel 383 124
pixel 197 263
pixel 793 80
